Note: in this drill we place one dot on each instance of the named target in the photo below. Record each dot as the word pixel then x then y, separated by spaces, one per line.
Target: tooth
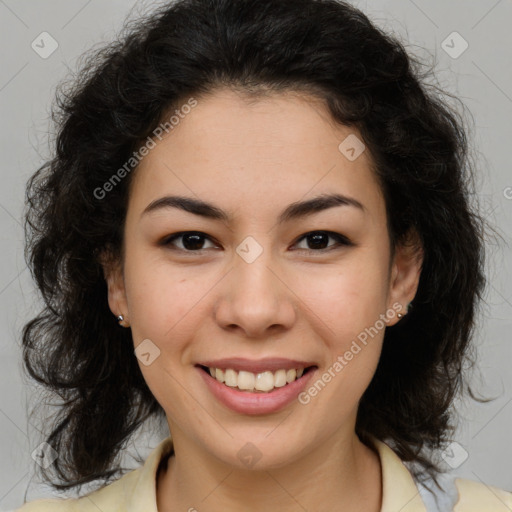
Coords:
pixel 264 381
pixel 246 380
pixel 280 378
pixel 230 378
pixel 290 375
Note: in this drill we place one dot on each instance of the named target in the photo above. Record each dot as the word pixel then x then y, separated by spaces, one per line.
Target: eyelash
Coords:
pixel 341 240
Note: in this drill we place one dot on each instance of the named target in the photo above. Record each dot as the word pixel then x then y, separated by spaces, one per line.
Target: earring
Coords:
pixel 400 315
pixel 120 319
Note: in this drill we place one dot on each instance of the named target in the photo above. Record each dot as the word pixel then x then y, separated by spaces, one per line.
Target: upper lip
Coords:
pixel 256 365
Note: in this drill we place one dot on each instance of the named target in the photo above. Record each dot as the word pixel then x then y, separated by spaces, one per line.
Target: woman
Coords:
pixel 257 227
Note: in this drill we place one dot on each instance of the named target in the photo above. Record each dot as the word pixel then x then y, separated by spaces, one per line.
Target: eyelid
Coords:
pixel 341 241
pixel 167 240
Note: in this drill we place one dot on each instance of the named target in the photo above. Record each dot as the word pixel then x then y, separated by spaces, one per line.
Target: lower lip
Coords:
pixel 245 402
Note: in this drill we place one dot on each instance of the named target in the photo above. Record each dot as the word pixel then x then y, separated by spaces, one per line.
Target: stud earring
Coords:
pixel 400 315
pixel 120 319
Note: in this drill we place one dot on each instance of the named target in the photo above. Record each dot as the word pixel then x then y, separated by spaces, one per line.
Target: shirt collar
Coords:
pixel 399 491
pixel 142 496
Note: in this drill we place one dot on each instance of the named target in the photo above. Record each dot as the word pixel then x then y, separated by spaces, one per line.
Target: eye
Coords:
pixel 193 241
pixel 318 239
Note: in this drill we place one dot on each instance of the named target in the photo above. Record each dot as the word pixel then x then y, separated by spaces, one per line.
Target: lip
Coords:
pixel 245 402
pixel 271 364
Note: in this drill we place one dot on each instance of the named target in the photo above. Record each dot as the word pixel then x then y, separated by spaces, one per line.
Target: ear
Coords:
pixel 113 273
pixel 405 272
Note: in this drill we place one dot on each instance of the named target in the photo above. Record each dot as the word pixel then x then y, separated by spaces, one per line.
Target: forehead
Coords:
pixel 254 153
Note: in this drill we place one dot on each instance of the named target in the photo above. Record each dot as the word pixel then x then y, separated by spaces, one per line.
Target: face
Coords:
pixel 315 288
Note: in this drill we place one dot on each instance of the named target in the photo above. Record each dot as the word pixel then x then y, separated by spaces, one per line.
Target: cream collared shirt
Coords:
pixel 136 491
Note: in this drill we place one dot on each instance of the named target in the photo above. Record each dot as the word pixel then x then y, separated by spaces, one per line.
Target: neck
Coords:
pixel 341 474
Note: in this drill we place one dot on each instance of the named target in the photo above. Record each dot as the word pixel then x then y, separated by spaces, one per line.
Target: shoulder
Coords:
pixel 134 491
pixel 49 505
pixel 456 494
pixel 478 497
pixel 112 497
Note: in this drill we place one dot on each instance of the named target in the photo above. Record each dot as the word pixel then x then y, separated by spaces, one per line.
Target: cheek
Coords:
pixel 159 296
pixel 347 298
pixel 165 307
pixel 168 303
pixel 349 307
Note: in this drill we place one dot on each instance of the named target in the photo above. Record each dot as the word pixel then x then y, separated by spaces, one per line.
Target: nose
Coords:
pixel 256 298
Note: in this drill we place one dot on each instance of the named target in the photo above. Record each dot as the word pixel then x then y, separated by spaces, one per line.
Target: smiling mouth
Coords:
pixel 264 382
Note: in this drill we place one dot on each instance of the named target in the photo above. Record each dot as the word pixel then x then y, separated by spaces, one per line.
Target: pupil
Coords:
pixel 317 240
pixel 194 245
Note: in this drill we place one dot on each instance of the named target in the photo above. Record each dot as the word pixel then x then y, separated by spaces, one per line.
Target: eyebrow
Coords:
pixel 293 211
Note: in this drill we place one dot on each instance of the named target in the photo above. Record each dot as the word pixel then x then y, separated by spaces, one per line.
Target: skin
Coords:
pixel 252 159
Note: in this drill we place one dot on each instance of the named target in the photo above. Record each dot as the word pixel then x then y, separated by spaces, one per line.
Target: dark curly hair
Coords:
pixel 326 48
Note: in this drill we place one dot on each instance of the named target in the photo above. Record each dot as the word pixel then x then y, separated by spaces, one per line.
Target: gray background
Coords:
pixel 481 77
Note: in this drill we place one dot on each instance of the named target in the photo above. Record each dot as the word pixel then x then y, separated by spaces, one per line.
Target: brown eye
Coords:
pixel 318 241
pixel 192 241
